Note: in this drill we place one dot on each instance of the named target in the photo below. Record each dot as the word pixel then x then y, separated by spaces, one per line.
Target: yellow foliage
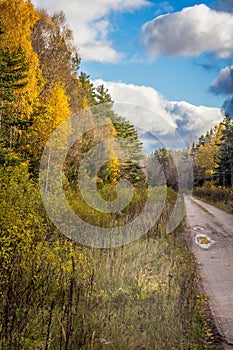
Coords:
pixel 84 103
pixel 114 170
pixel 17 20
pixel 55 112
pixel 207 154
pixel 58 104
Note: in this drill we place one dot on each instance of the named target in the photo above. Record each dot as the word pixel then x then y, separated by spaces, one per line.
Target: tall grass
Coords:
pixel 145 296
pixel 57 295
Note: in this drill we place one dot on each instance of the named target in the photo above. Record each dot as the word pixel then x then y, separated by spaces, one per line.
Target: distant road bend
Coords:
pixel 215 263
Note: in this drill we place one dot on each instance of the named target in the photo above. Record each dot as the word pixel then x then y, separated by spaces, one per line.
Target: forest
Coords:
pixel 56 293
pixel 212 158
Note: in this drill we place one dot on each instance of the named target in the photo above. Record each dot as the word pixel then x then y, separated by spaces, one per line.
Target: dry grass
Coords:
pixel 220 197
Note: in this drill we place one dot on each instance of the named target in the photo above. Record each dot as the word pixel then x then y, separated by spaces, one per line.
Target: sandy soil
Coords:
pixel 215 263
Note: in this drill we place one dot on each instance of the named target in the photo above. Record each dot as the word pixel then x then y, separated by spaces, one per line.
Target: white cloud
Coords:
pixel 223 84
pixel 194 119
pixel 146 108
pixel 90 23
pixel 142 106
pixel 164 7
pixel 192 31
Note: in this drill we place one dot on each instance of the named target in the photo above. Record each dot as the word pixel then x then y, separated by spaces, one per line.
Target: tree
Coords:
pixel 206 155
pixel 13 77
pixel 165 159
pixel 52 40
pixel 17 26
pixel 21 79
pixel 85 91
pixel 55 110
pixel 225 163
pixel 102 96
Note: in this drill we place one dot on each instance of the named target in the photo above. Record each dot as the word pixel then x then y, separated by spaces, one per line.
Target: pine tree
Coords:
pixel 86 91
pixel 17 26
pixel 225 169
pixel 13 78
pixel 102 96
pixel 127 136
pixel 21 77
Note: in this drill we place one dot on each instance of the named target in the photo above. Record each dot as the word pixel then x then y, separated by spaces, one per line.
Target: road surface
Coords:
pixel 215 263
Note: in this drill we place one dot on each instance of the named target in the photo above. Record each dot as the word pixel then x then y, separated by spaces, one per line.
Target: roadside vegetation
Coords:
pixel 55 293
pixel 221 197
pixel 213 166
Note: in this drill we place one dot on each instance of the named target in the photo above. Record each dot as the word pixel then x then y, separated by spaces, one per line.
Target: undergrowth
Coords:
pixel 58 295
pixel 221 197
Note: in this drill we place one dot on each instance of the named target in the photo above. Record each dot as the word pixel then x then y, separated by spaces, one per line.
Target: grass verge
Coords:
pixel 220 197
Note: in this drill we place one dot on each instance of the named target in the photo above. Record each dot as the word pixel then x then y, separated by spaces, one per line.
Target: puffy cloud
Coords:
pixel 141 105
pixel 89 21
pixel 151 113
pixel 223 84
pixel 194 119
pixel 192 31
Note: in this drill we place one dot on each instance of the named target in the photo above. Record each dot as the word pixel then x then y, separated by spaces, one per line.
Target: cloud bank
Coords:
pixel 147 109
pixel 224 5
pixel 223 85
pixel 190 32
pixel 90 23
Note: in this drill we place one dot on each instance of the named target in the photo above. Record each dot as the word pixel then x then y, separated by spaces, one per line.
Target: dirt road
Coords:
pixel 216 262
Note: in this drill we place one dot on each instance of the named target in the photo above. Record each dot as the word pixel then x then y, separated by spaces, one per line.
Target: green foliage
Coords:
pixel 13 77
pixel 213 155
pixel 132 163
pixel 102 96
pixel 225 169
pixel 12 73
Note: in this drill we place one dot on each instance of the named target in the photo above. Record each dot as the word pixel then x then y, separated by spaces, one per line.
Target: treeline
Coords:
pixel 41 86
pixel 45 278
pixel 212 156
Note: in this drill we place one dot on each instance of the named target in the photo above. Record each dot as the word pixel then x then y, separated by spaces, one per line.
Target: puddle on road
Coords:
pixel 198 228
pixel 204 241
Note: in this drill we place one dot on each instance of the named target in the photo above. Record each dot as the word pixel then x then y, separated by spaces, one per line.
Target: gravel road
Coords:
pixel 215 261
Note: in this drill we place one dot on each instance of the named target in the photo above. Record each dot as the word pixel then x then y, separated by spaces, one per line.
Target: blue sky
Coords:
pixel 177 78
pixel 173 57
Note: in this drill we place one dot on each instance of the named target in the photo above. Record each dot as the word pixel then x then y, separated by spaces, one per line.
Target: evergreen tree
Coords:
pixel 132 165
pixel 102 96
pixel 13 77
pixel 86 91
pixel 225 165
